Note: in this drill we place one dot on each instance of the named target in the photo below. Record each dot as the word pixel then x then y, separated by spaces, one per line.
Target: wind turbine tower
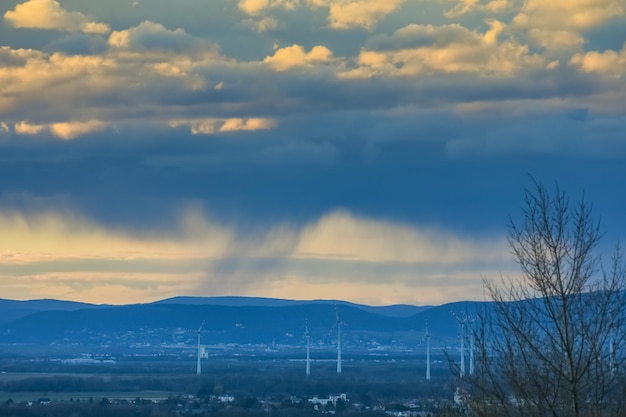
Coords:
pixel 463 322
pixel 338 323
pixel 470 320
pixel 200 353
pixel 308 347
pixel 427 353
pixel 471 352
pixel 612 361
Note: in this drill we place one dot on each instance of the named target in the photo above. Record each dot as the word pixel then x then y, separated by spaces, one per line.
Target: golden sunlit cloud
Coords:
pixel 254 7
pixel 347 14
pixel 609 62
pixel 339 255
pixel 572 14
pixel 340 235
pixel 210 126
pixel 63 130
pixel 72 130
pixel 295 56
pixel 447 49
pixel 25 128
pixel 49 236
pixel 48 14
pixel 464 7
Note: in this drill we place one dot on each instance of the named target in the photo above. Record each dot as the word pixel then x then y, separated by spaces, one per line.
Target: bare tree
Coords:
pixel 552 343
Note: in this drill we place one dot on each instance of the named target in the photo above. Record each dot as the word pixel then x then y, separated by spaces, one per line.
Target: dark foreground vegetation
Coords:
pixel 164 409
pixel 234 388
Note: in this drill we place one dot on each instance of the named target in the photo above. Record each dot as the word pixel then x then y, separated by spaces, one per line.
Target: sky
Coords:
pixel 365 150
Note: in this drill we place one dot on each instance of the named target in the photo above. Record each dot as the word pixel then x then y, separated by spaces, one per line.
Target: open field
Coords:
pixel 153 379
pixel 34 396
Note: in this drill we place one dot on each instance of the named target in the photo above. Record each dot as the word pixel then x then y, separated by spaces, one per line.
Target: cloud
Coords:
pixel 348 14
pixel 68 256
pixel 35 238
pixel 556 39
pixel 340 235
pixel 571 132
pixel 209 126
pixel 62 130
pixel 258 8
pixel 78 44
pixel 342 14
pixel 577 15
pixel 72 130
pixel 48 14
pixel 609 62
pixel 45 88
pixel 154 36
pixel 140 78
pixel 261 25
pixel 11 58
pixel 25 128
pixel 97 286
pixel 558 25
pixel 254 7
pixel 464 7
pixel 429 50
pixel 295 56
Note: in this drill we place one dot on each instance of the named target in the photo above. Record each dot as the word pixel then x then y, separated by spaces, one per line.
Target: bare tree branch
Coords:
pixel 554 342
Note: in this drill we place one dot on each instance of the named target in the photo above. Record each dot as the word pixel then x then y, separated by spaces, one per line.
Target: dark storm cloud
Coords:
pixel 389 169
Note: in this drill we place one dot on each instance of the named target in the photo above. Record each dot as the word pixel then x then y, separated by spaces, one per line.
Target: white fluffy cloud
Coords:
pixel 48 14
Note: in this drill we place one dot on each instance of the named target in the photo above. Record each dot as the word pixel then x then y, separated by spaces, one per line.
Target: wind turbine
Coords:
pixel 200 351
pixel 471 349
pixel 463 321
pixel 338 324
pixel 612 361
pixel 427 336
pixel 308 347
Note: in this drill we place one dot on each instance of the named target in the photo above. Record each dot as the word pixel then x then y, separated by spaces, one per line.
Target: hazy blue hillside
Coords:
pixel 397 310
pixel 231 301
pixel 223 324
pixel 227 320
pixel 14 309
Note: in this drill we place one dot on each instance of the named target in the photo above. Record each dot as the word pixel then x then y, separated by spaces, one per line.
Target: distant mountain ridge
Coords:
pixel 14 309
pixel 168 324
pixel 395 310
